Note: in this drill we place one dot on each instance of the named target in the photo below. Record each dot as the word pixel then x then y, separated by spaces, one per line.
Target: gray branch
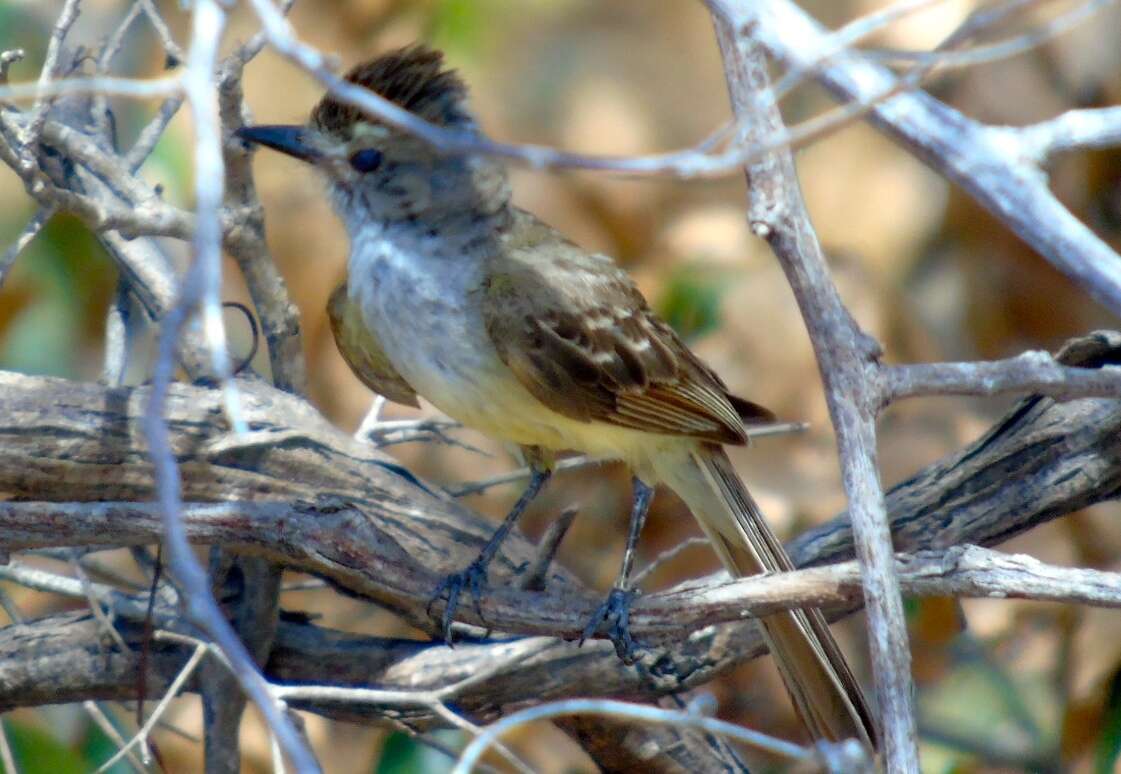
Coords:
pixel 294 478
pixel 1018 475
pixel 996 165
pixel 847 360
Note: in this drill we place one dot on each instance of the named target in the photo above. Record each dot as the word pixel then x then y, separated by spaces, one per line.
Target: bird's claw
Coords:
pixel 615 612
pixel 472 579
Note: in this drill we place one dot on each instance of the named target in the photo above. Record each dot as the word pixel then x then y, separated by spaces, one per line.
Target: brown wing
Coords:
pixel 362 351
pixel 580 336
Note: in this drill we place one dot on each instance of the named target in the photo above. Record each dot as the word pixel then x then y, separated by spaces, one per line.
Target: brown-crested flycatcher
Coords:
pixel 499 321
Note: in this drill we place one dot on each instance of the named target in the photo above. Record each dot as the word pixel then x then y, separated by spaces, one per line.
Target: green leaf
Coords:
pixel 1107 757
pixel 691 300
pixel 98 748
pixel 404 754
pixel 37 752
pixel 65 281
pixel 460 25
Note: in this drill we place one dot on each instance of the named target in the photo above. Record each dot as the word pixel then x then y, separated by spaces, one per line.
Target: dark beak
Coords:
pixel 286 139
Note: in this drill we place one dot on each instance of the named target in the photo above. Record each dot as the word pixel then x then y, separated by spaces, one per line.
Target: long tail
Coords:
pixel 821 686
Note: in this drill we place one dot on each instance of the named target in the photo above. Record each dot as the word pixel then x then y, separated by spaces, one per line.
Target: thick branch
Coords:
pixel 324 541
pixel 82 442
pixel 306 654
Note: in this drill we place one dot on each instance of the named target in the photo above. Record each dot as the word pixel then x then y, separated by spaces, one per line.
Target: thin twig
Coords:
pixel 117 337
pixel 102 721
pixel 95 605
pixel 627 711
pixel 535 576
pixel 100 109
pixel 371 420
pixel 692 162
pixel 202 286
pixel 7 59
pixel 152 132
pixel 475 487
pixel 435 700
pixel 210 175
pixel 665 556
pixel 29 232
pixel 51 66
pixel 6 757
pixel 843 38
pixel 170 47
pixel 1004 49
pixel 1089 129
pixel 133 88
pixel 161 707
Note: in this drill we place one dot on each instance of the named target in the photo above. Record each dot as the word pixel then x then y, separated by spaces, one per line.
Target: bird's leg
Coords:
pixel 616 609
pixel 474 576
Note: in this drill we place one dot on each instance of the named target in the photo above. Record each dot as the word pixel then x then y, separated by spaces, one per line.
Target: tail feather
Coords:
pixel 821 686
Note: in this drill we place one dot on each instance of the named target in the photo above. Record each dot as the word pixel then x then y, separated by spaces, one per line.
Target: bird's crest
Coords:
pixel 413 78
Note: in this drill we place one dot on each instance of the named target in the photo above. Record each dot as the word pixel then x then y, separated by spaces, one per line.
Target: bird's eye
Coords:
pixel 366 160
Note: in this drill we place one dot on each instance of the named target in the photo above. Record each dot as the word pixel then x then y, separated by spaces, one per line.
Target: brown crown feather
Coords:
pixel 413 78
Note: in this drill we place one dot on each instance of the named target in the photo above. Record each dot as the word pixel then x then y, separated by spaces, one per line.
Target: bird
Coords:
pixel 456 295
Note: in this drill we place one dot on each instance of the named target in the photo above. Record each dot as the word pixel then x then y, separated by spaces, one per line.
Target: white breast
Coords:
pixel 427 311
pixel 419 305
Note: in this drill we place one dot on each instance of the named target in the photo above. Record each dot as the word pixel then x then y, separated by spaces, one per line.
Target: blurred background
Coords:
pixel 1004 686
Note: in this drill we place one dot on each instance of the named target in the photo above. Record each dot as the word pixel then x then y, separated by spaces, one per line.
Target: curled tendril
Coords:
pixel 254 330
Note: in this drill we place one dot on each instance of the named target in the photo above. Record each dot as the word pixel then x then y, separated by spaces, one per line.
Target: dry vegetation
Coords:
pixel 980 268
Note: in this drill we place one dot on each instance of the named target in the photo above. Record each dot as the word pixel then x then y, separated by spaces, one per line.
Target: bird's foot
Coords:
pixel 472 579
pixel 614 617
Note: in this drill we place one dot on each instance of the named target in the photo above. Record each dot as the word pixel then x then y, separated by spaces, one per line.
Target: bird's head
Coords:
pixel 381 174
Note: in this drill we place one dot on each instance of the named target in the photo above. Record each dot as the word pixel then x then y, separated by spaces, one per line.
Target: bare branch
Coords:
pixel 852 32
pixel 118 325
pixel 280 319
pixel 162 32
pixel 51 67
pixel 150 134
pixel 258 605
pixel 1029 372
pixel 133 88
pixel 960 571
pixel 344 545
pixel 991 163
pixel 992 52
pixel 202 287
pixel 6 757
pixel 372 419
pixel 7 59
pixel 847 361
pixel 1074 130
pixel 355 492
pixel 29 232
pixel 101 720
pixel 102 118
pixel 700 160
pixel 624 710
pixel 172 692
pixel 967 571
pixel 535 577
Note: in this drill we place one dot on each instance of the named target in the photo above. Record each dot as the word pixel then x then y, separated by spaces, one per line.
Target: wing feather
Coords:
pixel 579 335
